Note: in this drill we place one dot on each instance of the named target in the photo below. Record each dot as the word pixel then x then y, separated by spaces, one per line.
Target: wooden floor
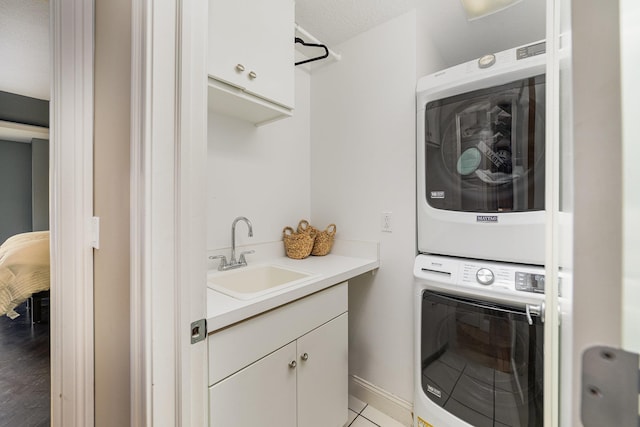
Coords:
pixel 25 370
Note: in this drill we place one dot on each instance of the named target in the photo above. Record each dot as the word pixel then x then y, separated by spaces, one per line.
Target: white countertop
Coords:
pixel 346 260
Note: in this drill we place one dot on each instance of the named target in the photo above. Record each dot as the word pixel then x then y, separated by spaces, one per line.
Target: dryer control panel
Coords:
pixel 530 282
pixel 499 281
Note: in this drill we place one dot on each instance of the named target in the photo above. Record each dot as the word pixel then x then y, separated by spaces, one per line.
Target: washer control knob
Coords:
pixel 484 276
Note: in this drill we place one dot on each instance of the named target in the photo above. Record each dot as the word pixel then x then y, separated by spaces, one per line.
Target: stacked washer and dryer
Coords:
pixel 479 275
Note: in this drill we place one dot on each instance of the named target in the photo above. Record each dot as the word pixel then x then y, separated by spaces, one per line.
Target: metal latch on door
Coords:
pixel 198 330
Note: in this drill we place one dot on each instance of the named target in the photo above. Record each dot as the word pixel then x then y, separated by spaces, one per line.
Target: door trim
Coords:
pixel 168 217
pixel 71 163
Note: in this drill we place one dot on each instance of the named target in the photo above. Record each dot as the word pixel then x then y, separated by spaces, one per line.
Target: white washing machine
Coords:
pixel 481 158
pixel 479 343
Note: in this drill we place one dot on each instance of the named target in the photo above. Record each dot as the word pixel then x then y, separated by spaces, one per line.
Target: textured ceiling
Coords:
pixel 24 47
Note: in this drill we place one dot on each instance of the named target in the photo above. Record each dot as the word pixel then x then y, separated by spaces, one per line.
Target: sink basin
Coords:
pixel 253 281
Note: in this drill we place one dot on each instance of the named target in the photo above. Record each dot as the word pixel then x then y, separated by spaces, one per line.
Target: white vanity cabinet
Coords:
pixel 286 367
pixel 250 58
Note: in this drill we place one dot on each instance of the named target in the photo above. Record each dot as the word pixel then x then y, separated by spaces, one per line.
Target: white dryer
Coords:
pixel 479 343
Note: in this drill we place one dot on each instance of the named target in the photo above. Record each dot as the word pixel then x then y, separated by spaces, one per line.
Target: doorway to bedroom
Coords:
pixel 25 352
pixel 24 270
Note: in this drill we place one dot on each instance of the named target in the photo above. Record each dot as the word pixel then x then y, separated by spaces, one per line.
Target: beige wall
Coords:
pixel 112 165
pixel 598 182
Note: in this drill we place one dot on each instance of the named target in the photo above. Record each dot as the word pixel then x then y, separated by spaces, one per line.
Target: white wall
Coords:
pixel 258 172
pixel 24 47
pixel 428 57
pixel 362 164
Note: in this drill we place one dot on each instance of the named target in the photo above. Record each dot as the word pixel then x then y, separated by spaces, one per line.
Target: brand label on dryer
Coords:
pixel 486 218
pixel 437 194
pixel 431 389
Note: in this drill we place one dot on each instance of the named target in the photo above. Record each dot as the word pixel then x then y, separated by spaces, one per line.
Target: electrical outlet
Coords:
pixel 386 224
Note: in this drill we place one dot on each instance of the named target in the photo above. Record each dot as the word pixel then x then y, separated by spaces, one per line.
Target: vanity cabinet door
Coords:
pixel 262 394
pixel 323 375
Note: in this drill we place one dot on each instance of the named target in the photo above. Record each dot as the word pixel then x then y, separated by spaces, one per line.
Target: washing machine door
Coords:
pixel 484 150
pixel 482 362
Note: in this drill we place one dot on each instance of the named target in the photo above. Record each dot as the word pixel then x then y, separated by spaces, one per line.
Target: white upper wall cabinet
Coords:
pixel 251 58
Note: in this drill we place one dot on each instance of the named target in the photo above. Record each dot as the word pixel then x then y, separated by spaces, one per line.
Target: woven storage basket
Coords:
pixel 323 239
pixel 297 245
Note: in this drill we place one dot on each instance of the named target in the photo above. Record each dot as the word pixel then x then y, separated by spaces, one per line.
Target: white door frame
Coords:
pixel 169 92
pixel 71 164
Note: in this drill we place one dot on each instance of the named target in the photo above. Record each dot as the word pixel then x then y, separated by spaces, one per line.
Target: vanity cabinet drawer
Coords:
pixel 239 345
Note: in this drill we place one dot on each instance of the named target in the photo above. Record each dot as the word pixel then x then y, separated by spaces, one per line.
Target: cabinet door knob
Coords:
pixel 305 356
pixel 253 75
pixel 239 68
pixel 292 364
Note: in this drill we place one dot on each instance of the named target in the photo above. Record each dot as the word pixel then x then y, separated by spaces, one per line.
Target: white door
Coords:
pixel 169 373
pixel 323 375
pixel 262 394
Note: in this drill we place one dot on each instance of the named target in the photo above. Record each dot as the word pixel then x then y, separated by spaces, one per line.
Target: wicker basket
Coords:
pixel 323 239
pixel 298 245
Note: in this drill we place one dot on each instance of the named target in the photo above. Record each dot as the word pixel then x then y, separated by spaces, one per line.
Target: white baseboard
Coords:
pixel 382 400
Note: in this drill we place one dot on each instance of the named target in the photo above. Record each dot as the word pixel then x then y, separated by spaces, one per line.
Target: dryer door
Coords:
pixel 482 362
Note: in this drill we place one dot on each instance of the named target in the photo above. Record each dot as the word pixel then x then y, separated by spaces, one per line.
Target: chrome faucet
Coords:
pixel 233 263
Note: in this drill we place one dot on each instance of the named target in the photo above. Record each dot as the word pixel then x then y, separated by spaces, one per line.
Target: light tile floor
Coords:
pixel 363 415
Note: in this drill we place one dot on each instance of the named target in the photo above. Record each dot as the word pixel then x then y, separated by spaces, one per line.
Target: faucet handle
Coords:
pixel 223 261
pixel 242 259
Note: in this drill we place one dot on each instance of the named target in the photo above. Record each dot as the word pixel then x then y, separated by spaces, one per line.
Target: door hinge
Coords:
pixel 610 387
pixel 198 330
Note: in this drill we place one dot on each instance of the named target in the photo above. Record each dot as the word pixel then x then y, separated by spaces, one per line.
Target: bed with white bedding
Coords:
pixel 24 269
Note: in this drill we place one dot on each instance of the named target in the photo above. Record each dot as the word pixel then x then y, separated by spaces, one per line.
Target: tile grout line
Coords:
pixel 360 411
pixel 359 414
pixel 363 408
pixel 372 422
